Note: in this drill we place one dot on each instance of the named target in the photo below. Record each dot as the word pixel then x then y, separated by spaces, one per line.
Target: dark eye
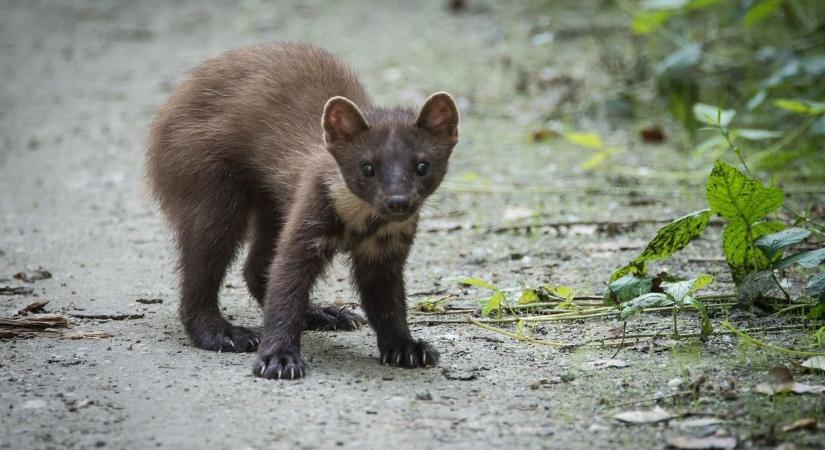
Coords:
pixel 368 170
pixel 421 168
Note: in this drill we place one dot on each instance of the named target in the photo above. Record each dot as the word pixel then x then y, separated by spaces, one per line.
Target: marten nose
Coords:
pixel 398 203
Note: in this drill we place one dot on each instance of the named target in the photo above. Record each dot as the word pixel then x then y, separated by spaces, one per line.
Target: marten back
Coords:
pixel 250 118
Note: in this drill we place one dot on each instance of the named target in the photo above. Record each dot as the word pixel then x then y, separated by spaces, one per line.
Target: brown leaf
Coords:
pixel 32 308
pixel 653 134
pixel 544 134
pixel 807 423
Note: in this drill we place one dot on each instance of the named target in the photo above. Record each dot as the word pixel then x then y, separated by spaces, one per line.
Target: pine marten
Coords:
pixel 280 144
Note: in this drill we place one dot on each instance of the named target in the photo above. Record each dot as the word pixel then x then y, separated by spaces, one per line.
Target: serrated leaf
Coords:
pixel 628 287
pixel 738 197
pixel 492 304
pixel 741 253
pixel 816 286
pixel 668 240
pixel 801 106
pixel 761 11
pixel 649 300
pixel 478 282
pixel 713 115
pixel 589 140
pixel 775 242
pixel 528 296
pixel 807 259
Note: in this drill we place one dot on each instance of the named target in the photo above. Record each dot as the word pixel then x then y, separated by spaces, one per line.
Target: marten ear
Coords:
pixel 342 120
pixel 439 116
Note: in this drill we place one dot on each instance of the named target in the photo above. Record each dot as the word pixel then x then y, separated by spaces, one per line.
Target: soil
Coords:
pixel 80 82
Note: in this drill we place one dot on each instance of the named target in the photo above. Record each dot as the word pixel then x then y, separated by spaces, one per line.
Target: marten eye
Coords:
pixel 421 168
pixel 368 170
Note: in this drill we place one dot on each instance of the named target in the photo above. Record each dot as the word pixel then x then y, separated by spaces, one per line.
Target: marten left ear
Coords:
pixel 342 120
pixel 439 116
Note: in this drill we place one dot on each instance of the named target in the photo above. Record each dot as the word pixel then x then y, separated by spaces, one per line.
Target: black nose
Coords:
pixel 398 203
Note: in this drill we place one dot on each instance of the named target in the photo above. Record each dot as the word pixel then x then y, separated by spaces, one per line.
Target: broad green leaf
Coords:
pixel 801 106
pixel 561 291
pixel 646 22
pixel 627 288
pixel 699 4
pixel 478 282
pixel 816 286
pixel 589 140
pixel 756 284
pixel 707 326
pixel 741 252
pixel 679 290
pixel 761 11
pixel 668 240
pixel 649 300
pixel 492 304
pixel 528 296
pixel 757 135
pixel 713 115
pixel 807 259
pixel 773 243
pixel 738 197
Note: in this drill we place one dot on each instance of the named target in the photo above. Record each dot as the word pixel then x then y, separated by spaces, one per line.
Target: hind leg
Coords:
pixel 209 234
pixel 265 227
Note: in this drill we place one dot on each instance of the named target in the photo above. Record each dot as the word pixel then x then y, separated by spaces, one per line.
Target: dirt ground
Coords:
pixel 80 82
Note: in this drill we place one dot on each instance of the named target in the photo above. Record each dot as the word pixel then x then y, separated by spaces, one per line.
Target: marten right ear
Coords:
pixel 342 120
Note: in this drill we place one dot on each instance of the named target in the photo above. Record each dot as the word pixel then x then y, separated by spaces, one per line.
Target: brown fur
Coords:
pixel 269 144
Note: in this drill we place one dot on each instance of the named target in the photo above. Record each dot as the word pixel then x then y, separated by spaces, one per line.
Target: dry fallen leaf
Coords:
pixel 815 363
pixel 650 416
pixel 807 423
pixel 698 443
pixel 699 423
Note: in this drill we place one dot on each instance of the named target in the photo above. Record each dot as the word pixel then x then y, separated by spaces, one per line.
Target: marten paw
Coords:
pixel 228 338
pixel 279 365
pixel 411 354
pixel 333 318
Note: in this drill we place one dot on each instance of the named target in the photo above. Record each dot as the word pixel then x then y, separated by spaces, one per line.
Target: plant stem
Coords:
pixel 743 335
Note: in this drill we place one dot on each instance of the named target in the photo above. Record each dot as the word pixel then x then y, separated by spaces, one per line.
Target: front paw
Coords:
pixel 327 318
pixel 410 354
pixel 279 364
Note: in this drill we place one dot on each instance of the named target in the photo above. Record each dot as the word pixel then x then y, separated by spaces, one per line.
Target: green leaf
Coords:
pixel 646 22
pixel 773 243
pixel 713 115
pixel 816 286
pixel 679 290
pixel 760 11
pixel 680 63
pixel 628 287
pixel 668 240
pixel 529 296
pixel 738 197
pixel 756 284
pixel 649 300
pixel 707 326
pixel 478 282
pixel 589 140
pixel 492 304
pixel 801 106
pixel 807 259
pixel 741 253
pixel 757 135
pixel 561 291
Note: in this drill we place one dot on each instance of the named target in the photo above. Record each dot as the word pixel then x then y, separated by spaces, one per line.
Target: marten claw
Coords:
pixel 279 365
pixel 410 354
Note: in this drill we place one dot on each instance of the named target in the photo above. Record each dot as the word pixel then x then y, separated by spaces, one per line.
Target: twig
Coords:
pixel 106 316
pixel 519 337
pixel 652 399
pixel 743 335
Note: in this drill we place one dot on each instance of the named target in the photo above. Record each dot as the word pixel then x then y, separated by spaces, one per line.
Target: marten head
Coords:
pixel 392 159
